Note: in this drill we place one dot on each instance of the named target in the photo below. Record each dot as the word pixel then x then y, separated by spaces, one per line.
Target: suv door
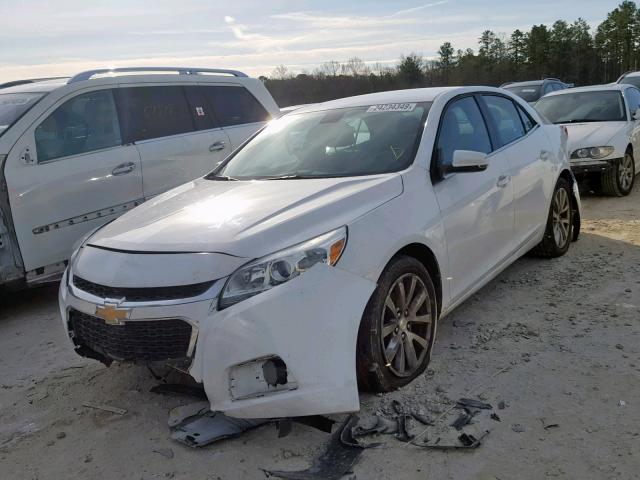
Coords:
pixel 237 110
pixel 175 132
pixel 529 153
pixel 476 208
pixel 68 174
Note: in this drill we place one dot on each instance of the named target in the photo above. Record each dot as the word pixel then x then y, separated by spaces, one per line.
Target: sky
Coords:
pixel 63 37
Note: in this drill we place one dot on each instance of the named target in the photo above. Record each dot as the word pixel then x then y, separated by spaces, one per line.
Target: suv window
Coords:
pixel 153 112
pixel 548 88
pixel 14 105
pixel 505 118
pixel 235 105
pixel 200 108
pixel 633 100
pixel 83 124
pixel 462 128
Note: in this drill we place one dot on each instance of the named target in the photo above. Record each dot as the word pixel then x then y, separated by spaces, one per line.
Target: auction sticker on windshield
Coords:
pixel 392 107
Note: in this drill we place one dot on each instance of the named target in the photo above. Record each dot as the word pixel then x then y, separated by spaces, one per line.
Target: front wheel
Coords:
pixel 398 327
pixel 559 231
pixel 618 180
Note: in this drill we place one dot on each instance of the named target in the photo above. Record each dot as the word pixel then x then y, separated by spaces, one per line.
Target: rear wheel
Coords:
pixel 559 230
pixel 618 180
pixel 398 327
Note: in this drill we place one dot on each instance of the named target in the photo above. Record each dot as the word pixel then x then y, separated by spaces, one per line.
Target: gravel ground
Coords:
pixel 553 341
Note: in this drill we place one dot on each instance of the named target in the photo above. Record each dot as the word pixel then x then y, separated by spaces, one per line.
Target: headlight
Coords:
pixel 593 152
pixel 280 267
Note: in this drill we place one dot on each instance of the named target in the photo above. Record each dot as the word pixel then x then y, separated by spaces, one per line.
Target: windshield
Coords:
pixel 635 81
pixel 332 143
pixel 14 105
pixel 529 93
pixel 595 106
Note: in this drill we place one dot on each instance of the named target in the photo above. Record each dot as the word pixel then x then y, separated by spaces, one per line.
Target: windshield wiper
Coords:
pixel 221 178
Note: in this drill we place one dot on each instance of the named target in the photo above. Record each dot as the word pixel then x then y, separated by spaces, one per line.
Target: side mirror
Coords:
pixel 468 161
pixel 636 115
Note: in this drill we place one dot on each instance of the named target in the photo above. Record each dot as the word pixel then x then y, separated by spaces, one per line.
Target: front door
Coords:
pixel 477 207
pixel 68 174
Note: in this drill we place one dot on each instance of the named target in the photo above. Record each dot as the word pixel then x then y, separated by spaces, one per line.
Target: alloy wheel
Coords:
pixel 561 217
pixel 625 172
pixel 406 325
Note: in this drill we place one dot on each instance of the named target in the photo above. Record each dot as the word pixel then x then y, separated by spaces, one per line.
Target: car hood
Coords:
pixel 591 134
pixel 245 218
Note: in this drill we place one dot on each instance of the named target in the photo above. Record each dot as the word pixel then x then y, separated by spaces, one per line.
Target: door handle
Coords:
pixel 544 155
pixel 217 146
pixel 123 169
pixel 503 180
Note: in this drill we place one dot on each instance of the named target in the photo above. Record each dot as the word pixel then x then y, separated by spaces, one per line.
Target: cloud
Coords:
pixel 421 7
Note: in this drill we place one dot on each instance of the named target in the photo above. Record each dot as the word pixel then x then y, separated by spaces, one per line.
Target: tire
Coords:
pixel 619 179
pixel 559 231
pixel 409 330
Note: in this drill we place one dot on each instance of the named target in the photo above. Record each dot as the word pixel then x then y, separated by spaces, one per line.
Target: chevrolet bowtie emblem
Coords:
pixel 112 315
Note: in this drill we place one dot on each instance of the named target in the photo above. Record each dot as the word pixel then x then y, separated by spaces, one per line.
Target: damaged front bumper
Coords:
pixel 289 351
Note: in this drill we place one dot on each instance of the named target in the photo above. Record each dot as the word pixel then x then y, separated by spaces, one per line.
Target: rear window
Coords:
pixel 635 81
pixel 14 105
pixel 529 93
pixel 579 107
pixel 235 106
pixel 153 112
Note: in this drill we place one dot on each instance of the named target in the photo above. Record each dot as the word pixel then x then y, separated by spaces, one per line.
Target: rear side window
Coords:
pixel 527 121
pixel 235 105
pixel 462 128
pixel 200 108
pixel 505 118
pixel 153 112
pixel 83 124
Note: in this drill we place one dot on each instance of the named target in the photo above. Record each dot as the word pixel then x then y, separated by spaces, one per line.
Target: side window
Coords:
pixel 83 124
pixel 462 128
pixel 547 88
pixel 153 112
pixel 235 106
pixel 633 99
pixel 505 118
pixel 527 121
pixel 200 109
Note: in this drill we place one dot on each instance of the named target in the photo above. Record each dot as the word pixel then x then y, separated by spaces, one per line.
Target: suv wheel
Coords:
pixel 398 327
pixel 559 231
pixel 618 180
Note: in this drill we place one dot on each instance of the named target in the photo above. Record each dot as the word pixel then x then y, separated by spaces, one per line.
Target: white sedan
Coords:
pixel 319 257
pixel 603 124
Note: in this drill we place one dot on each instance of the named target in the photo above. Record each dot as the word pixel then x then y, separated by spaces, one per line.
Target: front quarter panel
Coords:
pixel 311 323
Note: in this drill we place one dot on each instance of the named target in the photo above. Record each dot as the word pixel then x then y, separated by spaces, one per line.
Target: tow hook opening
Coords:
pixel 260 377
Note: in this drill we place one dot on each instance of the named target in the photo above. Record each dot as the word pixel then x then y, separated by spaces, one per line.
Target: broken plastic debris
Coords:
pixel 337 459
pixel 204 428
pixel 467 442
pixel 470 402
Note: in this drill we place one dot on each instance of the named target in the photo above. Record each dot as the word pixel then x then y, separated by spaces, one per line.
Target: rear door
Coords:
pixel 175 132
pixel 476 208
pixel 237 111
pixel 527 148
pixel 69 173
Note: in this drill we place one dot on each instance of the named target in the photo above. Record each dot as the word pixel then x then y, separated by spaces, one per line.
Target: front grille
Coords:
pixel 149 294
pixel 137 340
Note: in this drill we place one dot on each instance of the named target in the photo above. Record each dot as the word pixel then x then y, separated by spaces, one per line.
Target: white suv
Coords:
pixel 322 253
pixel 77 152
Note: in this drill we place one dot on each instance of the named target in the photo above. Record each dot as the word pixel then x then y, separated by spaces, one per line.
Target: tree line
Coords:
pixel 571 52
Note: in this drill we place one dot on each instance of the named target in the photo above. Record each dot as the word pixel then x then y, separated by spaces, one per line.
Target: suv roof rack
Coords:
pixel 15 83
pixel 179 70
pixel 554 79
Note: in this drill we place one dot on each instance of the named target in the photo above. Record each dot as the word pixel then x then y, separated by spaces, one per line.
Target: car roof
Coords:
pixel 592 88
pixel 44 86
pixel 524 84
pixel 413 95
pixel 631 74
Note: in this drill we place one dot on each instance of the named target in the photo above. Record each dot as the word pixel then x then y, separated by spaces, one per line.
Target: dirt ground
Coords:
pixel 556 340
